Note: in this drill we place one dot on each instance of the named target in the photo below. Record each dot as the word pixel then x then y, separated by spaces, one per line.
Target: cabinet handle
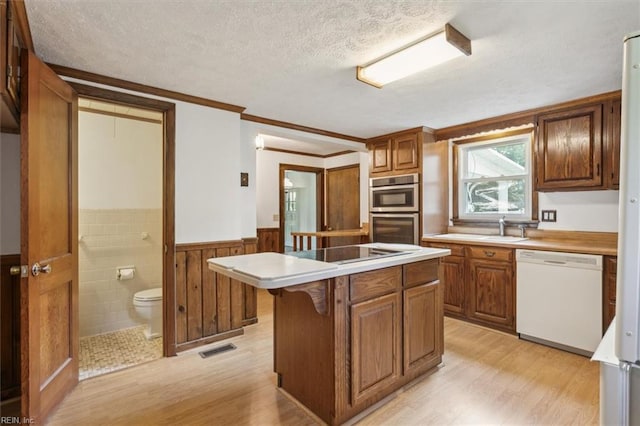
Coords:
pixel 489 253
pixel 598 169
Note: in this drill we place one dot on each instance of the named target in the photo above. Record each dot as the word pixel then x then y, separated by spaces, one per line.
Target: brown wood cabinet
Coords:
pixel 491 287
pixel 375 345
pixel 12 42
pixel 479 285
pixel 377 331
pixel 578 147
pixel 609 291
pixel 569 146
pixel 380 156
pixel 453 280
pixel 613 147
pixel 395 154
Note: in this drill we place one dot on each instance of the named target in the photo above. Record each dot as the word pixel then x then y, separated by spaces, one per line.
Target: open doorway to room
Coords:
pixel 119 236
pixel 125 221
pixel 301 202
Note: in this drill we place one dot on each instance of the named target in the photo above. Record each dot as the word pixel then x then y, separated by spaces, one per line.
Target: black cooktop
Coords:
pixel 344 254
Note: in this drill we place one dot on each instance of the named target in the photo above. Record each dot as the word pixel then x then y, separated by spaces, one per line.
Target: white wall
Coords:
pixel 595 211
pixel 210 154
pixel 9 193
pixel 119 163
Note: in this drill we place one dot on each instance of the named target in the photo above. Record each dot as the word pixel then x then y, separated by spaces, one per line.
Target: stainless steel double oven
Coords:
pixel 394 203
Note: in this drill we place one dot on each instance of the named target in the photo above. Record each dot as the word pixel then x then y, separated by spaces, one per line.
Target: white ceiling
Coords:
pixel 294 60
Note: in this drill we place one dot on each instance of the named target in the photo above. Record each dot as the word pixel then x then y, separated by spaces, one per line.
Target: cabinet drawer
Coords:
pixel 420 272
pixel 493 253
pixel 374 283
pixel 456 250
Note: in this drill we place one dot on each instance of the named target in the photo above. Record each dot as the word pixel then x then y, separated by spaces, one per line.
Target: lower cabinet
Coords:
pixel 491 293
pixel 423 346
pixel 479 285
pixel 609 291
pixel 351 341
pixel 375 345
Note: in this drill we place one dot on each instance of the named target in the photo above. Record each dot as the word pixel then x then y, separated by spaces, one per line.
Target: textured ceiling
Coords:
pixel 294 60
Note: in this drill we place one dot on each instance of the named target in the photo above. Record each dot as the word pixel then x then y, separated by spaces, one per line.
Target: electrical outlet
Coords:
pixel 549 215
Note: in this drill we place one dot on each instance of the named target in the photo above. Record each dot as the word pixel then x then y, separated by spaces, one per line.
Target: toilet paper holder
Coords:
pixel 125 272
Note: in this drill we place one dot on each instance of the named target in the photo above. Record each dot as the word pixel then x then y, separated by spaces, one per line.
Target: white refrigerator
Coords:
pixel 619 351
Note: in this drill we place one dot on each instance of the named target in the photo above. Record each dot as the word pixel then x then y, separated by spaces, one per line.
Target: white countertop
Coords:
pixel 275 270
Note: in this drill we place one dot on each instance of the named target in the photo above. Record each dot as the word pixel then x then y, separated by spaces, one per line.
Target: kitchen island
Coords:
pixel 349 332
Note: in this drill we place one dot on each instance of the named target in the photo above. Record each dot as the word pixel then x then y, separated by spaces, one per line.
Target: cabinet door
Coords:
pixel 613 150
pixel 380 156
pixel 491 293
pixel 375 346
pixel 422 327
pixel 405 152
pixel 453 278
pixel 569 149
pixel 609 291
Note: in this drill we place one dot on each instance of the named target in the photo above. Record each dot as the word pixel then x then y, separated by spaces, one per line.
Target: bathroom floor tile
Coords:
pixel 114 351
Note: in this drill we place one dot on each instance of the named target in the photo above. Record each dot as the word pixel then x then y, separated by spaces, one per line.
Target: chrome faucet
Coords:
pixel 501 225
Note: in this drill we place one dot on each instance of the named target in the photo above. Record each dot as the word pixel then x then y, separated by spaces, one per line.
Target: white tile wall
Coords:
pixel 112 238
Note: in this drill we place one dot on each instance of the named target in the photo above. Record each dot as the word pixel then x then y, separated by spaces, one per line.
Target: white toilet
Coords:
pixel 148 304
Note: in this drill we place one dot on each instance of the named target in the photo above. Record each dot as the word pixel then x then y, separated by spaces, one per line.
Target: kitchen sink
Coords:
pixel 479 237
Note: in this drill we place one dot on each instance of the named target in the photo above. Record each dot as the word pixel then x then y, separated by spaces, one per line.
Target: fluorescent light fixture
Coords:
pixel 259 142
pixel 423 54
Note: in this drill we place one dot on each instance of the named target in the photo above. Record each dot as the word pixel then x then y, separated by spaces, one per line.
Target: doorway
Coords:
pixel 128 233
pixel 301 207
pixel 120 249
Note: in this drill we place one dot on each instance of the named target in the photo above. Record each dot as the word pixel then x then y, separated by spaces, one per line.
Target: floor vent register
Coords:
pixel 218 350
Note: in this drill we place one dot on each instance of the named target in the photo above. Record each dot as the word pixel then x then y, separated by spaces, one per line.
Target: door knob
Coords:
pixel 36 269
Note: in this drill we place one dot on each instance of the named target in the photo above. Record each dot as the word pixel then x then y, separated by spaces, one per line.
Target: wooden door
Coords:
pixel 49 238
pixel 491 293
pixel 343 202
pixel 422 328
pixel 375 346
pixel 405 152
pixel 569 149
pixel 453 278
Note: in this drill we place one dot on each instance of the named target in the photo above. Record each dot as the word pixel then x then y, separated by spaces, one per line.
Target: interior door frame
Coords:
pixel 168 110
pixel 319 196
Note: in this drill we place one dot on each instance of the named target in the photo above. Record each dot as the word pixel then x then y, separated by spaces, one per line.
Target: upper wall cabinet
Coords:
pixel 578 148
pixel 396 154
pixel 613 145
pixel 12 43
pixel 569 149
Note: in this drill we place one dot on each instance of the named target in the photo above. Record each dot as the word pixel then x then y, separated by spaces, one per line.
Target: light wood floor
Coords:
pixel 487 378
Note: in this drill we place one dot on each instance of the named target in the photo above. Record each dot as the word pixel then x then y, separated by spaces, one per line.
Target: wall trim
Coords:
pixel 307 154
pixel 202 245
pixel 287 125
pixel 142 88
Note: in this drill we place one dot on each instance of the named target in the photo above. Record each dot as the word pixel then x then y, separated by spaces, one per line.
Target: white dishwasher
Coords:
pixel 559 299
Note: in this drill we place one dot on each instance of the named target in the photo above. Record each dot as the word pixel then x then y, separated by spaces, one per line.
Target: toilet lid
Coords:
pixel 151 294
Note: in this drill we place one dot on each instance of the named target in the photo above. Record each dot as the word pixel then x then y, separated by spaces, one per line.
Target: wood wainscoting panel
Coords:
pixel 209 306
pixel 9 328
pixel 268 240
